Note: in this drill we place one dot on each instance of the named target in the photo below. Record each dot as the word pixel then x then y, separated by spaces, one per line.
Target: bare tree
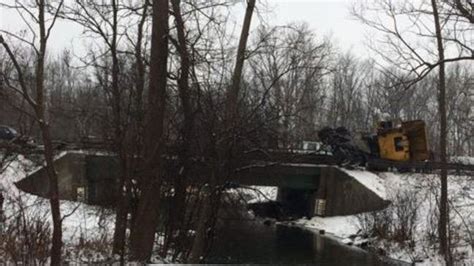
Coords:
pixel 105 19
pixel 347 84
pixel 143 231
pixel 132 141
pixel 38 101
pixel 286 80
pixel 177 212
pixel 391 19
pixel 231 115
pixel 459 83
pixel 462 8
pixel 233 92
pixel 419 61
pixel 443 208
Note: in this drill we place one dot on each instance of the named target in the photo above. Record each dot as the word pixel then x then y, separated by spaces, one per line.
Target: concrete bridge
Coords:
pixel 92 178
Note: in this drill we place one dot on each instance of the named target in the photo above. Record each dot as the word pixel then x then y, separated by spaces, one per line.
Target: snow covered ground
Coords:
pixel 86 226
pixel 260 193
pixel 344 227
pixel 425 190
pixel 462 160
pixel 87 230
pixel 414 199
pixel 91 228
pixel 414 203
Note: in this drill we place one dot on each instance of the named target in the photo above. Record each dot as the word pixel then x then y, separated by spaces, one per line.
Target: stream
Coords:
pixel 252 242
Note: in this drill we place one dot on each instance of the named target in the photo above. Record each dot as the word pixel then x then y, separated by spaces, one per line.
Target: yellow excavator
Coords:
pixel 393 144
pixel 401 141
pixel 393 140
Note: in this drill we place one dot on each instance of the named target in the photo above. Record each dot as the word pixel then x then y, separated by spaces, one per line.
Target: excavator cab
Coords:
pixel 402 141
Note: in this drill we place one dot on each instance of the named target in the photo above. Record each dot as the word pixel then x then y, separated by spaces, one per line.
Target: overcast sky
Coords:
pixel 323 16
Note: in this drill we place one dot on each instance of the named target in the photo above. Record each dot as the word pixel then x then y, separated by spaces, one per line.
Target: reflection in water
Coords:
pixel 253 242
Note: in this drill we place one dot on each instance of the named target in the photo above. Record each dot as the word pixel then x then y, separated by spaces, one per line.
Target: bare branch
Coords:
pixel 19 72
pixel 55 17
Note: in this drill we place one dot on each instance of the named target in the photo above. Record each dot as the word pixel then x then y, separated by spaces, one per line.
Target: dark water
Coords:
pixel 253 242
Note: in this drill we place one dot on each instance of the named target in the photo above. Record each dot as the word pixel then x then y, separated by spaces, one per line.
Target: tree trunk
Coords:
pixel 116 95
pixel 53 196
pixel 131 146
pixel 200 240
pixel 121 212
pixel 233 93
pixel 443 203
pixel 177 211
pixel 56 247
pixel 119 142
pixel 39 107
pixel 140 66
pixel 143 231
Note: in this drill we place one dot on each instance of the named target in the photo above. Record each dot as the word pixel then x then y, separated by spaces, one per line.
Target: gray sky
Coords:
pixel 323 16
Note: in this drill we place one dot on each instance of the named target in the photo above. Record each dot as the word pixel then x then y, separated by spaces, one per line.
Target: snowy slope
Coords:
pixel 14 171
pixel 462 159
pixel 339 226
pixel 81 222
pixel 425 189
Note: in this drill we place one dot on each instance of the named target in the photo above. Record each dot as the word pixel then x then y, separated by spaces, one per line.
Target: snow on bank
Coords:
pixel 265 193
pixel 423 191
pixel 258 194
pixel 80 219
pixel 81 222
pixel 14 171
pixel 339 226
pixel 462 160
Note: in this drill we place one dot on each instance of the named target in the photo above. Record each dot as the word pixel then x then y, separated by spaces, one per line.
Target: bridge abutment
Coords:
pixel 344 194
